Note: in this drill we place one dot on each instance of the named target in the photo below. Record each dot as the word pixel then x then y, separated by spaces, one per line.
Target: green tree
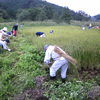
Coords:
pixel 24 15
pixel 11 13
pixel 82 16
pixel 66 15
pixel 49 11
pixel 1 19
pixel 33 12
pixel 56 16
pixel 97 17
pixel 41 16
pixel 3 14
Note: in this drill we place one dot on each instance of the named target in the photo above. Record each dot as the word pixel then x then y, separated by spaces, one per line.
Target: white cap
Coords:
pixel 5 29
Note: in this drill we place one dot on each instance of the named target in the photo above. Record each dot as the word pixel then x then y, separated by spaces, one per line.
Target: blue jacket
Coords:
pixel 39 33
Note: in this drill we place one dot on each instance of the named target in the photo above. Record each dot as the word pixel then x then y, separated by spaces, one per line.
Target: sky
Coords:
pixel 90 7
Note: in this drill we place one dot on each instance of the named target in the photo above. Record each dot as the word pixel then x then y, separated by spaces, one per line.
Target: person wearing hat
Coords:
pixel 3 33
pixel 59 62
pixel 15 28
pixel 51 31
pixel 4 44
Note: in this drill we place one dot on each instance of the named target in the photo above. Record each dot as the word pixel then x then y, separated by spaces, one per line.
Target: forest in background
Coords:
pixel 39 10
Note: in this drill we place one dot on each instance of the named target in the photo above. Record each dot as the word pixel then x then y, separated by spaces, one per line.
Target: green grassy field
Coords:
pixel 19 67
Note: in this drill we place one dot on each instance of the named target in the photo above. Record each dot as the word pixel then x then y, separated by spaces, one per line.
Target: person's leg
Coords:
pixel 53 69
pixel 64 69
pixel 55 66
pixel 14 32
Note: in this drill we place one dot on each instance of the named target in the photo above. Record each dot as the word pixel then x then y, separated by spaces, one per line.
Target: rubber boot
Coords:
pixel 63 80
pixel 52 78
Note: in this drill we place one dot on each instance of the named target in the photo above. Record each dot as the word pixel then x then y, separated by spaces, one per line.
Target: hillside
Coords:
pixel 41 10
pixel 25 4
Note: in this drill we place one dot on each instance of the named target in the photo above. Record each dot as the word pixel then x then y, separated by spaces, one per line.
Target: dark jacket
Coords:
pixel 15 27
pixel 39 33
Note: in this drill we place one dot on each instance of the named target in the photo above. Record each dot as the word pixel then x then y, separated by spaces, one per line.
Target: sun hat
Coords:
pixel 45 47
pixel 5 29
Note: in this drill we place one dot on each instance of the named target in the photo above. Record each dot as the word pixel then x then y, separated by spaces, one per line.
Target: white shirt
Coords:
pixel 0 36
pixel 2 33
pixel 51 54
pixel 3 43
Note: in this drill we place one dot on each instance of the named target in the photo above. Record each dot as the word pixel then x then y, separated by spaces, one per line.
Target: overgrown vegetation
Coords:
pixel 24 63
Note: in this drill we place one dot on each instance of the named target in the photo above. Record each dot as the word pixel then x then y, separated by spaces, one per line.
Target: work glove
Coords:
pixel 9 49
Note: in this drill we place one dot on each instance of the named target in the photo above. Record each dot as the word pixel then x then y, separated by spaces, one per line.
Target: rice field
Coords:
pixel 22 65
pixel 84 46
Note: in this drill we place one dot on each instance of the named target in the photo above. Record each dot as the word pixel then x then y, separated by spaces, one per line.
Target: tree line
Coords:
pixel 38 10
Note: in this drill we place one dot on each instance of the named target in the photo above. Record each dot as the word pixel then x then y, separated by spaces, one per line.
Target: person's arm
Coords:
pixel 47 57
pixel 6 47
pixel 5 34
pixel 2 37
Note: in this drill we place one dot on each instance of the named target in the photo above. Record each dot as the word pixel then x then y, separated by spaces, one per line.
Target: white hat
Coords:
pixel 5 29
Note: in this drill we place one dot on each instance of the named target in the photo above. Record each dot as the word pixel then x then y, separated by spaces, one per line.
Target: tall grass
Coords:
pixel 82 45
pixel 19 67
pixel 86 23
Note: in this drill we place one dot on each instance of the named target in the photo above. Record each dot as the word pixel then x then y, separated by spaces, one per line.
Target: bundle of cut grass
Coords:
pixel 65 55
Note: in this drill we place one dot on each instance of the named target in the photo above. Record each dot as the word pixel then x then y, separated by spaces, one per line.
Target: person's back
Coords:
pixel 58 62
pixel 15 28
pixel 39 33
pixel 9 33
pixel 50 53
pixel 97 27
pixel 51 31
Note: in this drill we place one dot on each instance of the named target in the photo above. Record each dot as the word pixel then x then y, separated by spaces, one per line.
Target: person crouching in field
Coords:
pixel 41 34
pixel 83 27
pixel 90 26
pixel 3 34
pixel 51 32
pixel 96 27
pixel 60 61
pixel 15 28
pixel 4 44
pixel 10 33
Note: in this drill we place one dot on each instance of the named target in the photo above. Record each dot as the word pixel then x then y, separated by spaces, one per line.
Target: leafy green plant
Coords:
pixel 19 67
pixel 75 90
